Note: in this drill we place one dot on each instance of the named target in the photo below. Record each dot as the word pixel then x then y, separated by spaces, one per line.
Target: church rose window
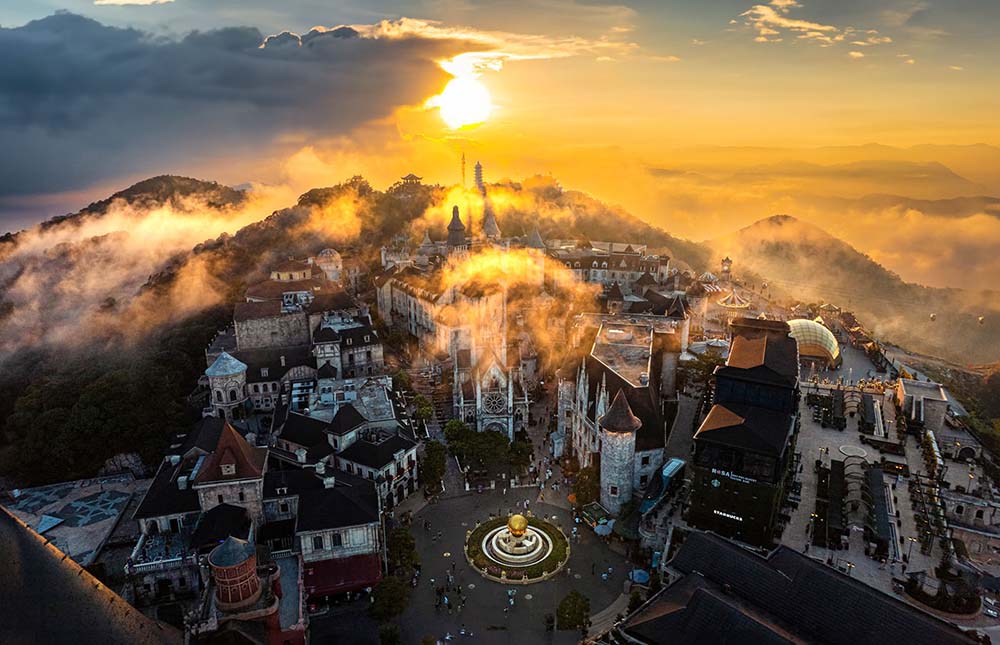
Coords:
pixel 493 402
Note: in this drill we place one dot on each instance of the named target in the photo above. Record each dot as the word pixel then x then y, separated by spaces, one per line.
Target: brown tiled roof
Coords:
pixel 772 359
pixel 233 449
pixel 253 310
pixel 292 265
pixel 274 289
pixel 748 427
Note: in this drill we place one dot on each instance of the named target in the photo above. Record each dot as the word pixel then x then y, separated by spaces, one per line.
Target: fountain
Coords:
pixel 517 544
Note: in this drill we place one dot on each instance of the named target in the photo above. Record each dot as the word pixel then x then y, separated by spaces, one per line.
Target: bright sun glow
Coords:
pixel 464 102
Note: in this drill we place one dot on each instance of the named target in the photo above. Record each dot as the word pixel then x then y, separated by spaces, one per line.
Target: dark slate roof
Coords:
pixel 332 299
pixel 303 430
pixel 347 418
pixel 693 612
pixel 220 522
pixel 816 602
pixel 375 455
pixel 615 292
pixel 642 401
pixel 351 502
pixel 747 427
pixel 765 359
pixel 46 597
pixel 269 358
pixel 325 335
pixel 327 371
pixel 619 417
pixel 356 336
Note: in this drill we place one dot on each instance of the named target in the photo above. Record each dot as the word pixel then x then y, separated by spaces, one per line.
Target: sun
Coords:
pixel 464 102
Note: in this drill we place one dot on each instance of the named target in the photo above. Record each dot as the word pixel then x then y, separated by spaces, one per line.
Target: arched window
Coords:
pixel 218 396
pixel 959 510
pixel 232 395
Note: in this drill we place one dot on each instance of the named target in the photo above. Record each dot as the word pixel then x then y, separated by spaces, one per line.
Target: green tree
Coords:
pixel 588 485
pixel 401 380
pixel 520 455
pixel 391 597
pixel 432 464
pixel 573 612
pixel 401 548
pixel 634 601
pixel 423 410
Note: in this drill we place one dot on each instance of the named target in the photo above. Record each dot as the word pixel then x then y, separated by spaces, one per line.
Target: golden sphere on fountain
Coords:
pixel 517 525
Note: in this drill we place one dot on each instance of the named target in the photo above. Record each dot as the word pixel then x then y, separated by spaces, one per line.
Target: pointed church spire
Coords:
pixel 456 229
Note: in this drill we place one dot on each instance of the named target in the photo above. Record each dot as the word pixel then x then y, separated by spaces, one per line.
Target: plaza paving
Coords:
pixel 485 600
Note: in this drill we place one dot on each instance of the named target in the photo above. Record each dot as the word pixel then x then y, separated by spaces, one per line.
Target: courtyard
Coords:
pixel 440 547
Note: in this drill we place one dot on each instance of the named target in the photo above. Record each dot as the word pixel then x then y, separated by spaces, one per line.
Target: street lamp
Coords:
pixel 850 565
pixel 909 552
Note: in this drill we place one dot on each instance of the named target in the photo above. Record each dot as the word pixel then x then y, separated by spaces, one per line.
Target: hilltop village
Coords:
pixel 493 417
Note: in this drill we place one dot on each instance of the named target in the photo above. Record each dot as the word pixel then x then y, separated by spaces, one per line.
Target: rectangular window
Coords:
pixel 613 490
pixel 220 499
pixel 242 497
pixel 318 543
pixel 645 460
pixel 283 507
pixel 337 540
pixel 643 480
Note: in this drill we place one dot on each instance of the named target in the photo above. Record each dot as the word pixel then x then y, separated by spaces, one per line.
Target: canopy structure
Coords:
pixel 816 341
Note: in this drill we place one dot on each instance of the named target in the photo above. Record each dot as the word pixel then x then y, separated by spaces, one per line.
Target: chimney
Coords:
pixel 644 378
pixel 329 482
pixel 182 482
pixel 282 360
pixel 320 467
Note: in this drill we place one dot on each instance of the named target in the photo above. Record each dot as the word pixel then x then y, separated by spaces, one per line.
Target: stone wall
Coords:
pixel 286 330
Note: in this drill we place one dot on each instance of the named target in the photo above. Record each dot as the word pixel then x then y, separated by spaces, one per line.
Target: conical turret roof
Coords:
pixel 490 228
pixel 535 240
pixel 619 417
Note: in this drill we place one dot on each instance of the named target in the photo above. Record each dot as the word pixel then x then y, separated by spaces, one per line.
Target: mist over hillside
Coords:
pixel 800 261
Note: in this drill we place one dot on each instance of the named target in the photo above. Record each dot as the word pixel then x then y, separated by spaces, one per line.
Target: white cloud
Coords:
pixel 773 21
pixel 856 55
pixel 956 68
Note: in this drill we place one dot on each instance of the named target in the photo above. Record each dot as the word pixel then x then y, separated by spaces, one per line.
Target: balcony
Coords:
pixel 161 551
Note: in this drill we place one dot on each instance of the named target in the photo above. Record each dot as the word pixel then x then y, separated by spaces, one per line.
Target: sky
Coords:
pixel 699 117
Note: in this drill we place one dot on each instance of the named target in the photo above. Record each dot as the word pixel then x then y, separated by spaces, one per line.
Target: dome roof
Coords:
pixel 328 253
pixel 815 340
pixel 231 552
pixel 226 365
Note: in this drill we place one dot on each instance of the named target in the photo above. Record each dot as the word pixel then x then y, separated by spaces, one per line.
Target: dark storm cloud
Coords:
pixel 81 102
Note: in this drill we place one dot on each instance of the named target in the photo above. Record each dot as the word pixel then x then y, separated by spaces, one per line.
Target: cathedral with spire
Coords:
pixel 461 328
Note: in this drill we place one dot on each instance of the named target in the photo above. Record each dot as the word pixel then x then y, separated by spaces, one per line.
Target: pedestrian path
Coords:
pixel 604 620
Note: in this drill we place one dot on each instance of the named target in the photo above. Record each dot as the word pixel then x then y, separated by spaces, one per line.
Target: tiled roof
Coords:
pixel 232 450
pixel 347 418
pixel 302 430
pixel 351 502
pixel 253 310
pixel 375 455
pixel 46 597
pixel 619 417
pixel 275 289
pixel 766 359
pixel 225 365
pixel 652 433
pixel 746 426
pixel 220 522
pixel 231 552
pixel 816 602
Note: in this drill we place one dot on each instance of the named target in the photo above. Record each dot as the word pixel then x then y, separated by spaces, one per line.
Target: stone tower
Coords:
pixel 618 428
pixel 227 382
